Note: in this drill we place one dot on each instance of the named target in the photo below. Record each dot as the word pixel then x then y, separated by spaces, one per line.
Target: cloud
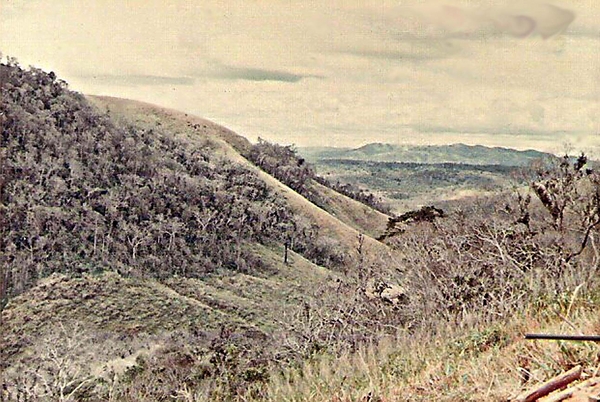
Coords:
pixel 436 30
pixel 385 65
pixel 413 50
pixel 255 74
pixel 516 20
pixel 545 20
pixel 138 80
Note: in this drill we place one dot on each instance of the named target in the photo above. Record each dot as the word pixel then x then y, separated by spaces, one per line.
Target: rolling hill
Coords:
pixel 430 154
pixel 409 177
pixel 125 224
pixel 148 254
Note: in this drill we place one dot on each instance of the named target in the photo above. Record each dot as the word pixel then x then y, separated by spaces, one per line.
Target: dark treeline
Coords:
pixel 284 163
pixel 80 192
pixel 450 166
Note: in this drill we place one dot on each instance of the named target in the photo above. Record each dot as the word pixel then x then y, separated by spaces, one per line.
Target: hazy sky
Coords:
pixel 334 72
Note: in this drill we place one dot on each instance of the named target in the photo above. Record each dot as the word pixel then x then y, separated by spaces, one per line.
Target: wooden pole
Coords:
pixel 567 393
pixel 551 385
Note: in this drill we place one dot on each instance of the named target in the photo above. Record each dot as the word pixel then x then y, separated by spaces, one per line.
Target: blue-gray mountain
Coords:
pixel 455 153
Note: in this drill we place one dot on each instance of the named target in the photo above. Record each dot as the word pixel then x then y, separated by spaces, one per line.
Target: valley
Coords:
pixel 148 254
pixel 409 177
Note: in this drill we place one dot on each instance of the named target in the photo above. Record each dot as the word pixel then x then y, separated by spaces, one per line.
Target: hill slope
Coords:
pixel 130 224
pixel 353 216
pixel 145 257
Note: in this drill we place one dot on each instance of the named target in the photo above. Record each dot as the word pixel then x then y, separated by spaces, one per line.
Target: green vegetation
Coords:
pixel 408 177
pixel 428 154
pixel 82 193
pixel 150 255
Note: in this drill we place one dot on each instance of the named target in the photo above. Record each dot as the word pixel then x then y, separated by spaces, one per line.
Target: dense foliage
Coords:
pixel 502 255
pixel 81 193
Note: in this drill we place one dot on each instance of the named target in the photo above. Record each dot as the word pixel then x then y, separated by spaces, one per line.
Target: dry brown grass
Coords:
pixel 492 363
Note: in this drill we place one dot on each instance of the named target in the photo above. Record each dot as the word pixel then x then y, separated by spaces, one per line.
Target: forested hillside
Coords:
pixel 151 255
pixel 167 204
pixel 83 193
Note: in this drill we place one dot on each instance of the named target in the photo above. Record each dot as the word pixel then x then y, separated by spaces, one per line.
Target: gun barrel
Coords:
pixel 591 338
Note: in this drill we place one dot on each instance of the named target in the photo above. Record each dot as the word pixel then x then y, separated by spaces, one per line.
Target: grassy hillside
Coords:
pixel 131 224
pixel 344 226
pixel 143 255
pixel 140 189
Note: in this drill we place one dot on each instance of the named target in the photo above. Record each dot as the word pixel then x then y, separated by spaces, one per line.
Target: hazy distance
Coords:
pixel 336 73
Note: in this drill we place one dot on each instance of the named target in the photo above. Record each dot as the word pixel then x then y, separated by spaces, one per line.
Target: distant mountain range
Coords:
pixel 430 154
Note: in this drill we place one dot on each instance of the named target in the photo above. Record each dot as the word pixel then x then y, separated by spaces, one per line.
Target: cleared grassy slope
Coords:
pixel 351 217
pixel 132 308
pixel 353 213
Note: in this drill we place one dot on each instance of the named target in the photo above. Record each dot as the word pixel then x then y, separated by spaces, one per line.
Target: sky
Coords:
pixel 335 73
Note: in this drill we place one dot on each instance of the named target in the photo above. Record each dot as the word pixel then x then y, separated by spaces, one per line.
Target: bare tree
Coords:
pixel 60 371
